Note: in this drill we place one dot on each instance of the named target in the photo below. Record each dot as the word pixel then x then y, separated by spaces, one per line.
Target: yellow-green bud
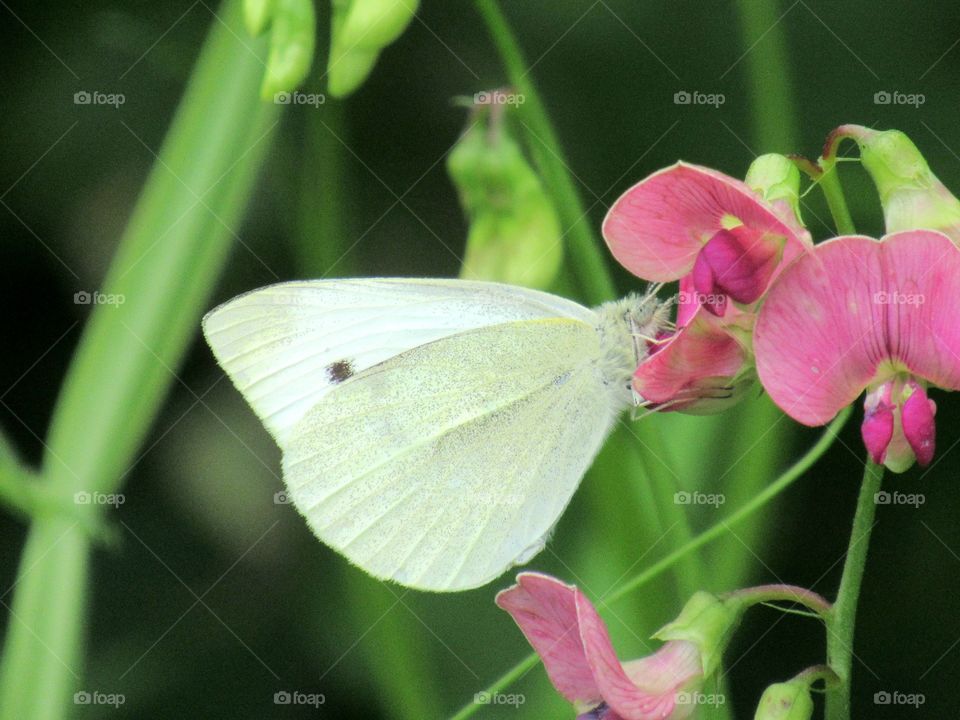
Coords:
pixel 514 234
pixel 360 30
pixel 911 195
pixel 777 180
pixel 785 701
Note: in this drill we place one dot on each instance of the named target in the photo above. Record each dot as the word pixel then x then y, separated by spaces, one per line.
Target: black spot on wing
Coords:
pixel 339 371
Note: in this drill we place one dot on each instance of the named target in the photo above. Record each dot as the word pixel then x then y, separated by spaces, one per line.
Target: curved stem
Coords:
pixel 840 628
pixel 785 593
pixel 707 536
pixel 588 262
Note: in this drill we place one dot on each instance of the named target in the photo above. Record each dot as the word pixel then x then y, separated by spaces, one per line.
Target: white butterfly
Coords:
pixel 432 431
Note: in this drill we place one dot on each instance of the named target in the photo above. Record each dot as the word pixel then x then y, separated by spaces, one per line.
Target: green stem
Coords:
pixel 588 262
pixel 840 628
pixel 829 183
pixel 165 268
pixel 715 531
pixel 784 593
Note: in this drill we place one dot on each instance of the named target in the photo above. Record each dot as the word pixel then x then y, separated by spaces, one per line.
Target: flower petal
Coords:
pixel 545 610
pixel 916 417
pixel 618 690
pixel 878 422
pixel 742 262
pixel 657 227
pixel 820 335
pixel 923 297
pixel 695 369
pixel 836 315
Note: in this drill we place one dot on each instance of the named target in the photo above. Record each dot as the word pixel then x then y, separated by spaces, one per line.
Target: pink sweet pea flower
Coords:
pixel 571 639
pixel 702 367
pixel 860 314
pixel 688 219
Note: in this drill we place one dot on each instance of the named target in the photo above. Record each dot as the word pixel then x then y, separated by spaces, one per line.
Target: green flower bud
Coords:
pixel 785 701
pixel 708 622
pixel 911 195
pixel 292 32
pixel 777 180
pixel 256 14
pixel 360 30
pixel 514 234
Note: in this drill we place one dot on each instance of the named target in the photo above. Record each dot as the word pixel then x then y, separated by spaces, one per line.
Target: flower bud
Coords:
pixel 708 622
pixel 360 30
pixel 292 31
pixel 911 195
pixel 785 701
pixel 777 180
pixel 514 234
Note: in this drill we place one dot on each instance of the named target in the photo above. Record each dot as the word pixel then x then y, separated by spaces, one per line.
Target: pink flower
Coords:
pixel 571 639
pixel 687 219
pixel 860 314
pixel 702 367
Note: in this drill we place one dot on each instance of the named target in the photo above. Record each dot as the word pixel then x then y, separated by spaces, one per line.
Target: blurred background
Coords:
pixel 209 597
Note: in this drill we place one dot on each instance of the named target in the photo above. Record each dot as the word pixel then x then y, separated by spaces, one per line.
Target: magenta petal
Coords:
pixel 695 369
pixel 820 334
pixel 545 609
pixel 878 422
pixel 705 287
pixel 742 262
pixel 657 227
pixel 919 427
pixel 852 308
pixel 923 303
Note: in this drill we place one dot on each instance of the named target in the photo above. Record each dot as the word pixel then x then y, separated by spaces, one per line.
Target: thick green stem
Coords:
pixel 840 628
pixel 165 269
pixel 588 261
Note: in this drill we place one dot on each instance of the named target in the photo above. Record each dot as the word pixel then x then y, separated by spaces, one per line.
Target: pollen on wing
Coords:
pixel 339 371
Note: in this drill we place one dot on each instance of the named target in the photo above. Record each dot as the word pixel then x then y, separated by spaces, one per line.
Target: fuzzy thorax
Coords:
pixel 626 327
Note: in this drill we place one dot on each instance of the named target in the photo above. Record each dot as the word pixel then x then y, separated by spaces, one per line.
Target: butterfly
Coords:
pixel 432 431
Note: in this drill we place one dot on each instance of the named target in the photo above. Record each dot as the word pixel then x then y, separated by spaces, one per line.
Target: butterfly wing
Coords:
pixel 445 465
pixel 287 345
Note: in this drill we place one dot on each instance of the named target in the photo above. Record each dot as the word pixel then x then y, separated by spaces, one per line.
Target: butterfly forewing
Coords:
pixel 287 345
